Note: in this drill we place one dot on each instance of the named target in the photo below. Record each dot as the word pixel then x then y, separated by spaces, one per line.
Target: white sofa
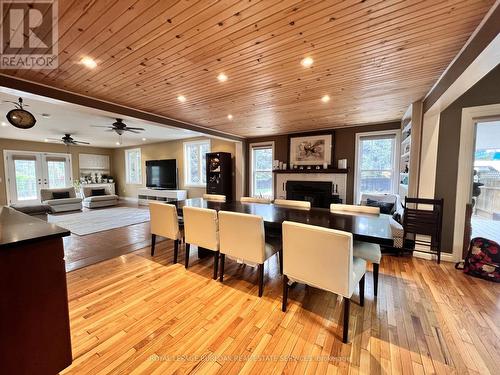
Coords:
pixel 73 203
pixel 95 201
pixel 396 228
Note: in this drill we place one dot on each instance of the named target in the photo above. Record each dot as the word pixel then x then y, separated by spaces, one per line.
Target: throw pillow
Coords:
pixel 385 207
pixel 98 192
pixel 60 194
pixel 397 217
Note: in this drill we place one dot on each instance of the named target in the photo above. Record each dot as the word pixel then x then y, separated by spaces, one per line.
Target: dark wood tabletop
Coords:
pixel 18 228
pixel 364 227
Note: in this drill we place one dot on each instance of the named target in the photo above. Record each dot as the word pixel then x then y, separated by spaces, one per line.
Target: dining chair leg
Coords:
pixel 176 250
pixel 345 332
pixel 285 293
pixel 280 256
pixel 153 243
pixel 216 264
pixel 375 278
pixel 362 291
pixel 186 260
pixel 222 262
pixel 261 279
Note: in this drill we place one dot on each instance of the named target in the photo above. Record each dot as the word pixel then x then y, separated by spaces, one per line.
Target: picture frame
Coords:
pixel 311 149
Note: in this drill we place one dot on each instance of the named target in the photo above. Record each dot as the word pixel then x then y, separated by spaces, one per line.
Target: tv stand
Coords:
pixel 145 195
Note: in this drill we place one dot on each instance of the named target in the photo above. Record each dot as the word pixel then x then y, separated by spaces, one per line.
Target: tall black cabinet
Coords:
pixel 220 174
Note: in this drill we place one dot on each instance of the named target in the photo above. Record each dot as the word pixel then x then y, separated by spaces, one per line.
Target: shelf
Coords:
pixel 406 140
pixel 405 155
pixel 329 170
pixel 407 127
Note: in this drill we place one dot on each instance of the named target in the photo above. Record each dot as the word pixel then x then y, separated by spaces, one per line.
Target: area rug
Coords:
pixel 99 220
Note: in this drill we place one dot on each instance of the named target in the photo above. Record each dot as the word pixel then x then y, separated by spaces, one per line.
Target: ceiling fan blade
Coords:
pixel 128 127
pixel 133 131
pixel 81 142
pixel 101 126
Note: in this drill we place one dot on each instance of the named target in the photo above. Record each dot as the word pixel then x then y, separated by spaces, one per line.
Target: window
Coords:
pixel 195 169
pixel 133 166
pixel 261 155
pixel 376 163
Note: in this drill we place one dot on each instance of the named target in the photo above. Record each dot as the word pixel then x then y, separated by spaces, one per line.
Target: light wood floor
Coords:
pixel 138 315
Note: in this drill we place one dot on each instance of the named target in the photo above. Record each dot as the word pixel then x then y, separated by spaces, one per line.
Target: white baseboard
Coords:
pixel 445 257
pixel 129 199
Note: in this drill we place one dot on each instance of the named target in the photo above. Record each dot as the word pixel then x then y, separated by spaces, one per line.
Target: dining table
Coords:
pixel 364 227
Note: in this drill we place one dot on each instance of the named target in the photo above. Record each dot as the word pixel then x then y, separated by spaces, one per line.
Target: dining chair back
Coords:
pixel 214 197
pixel 292 203
pixel 323 258
pixel 164 223
pixel 201 229
pixel 255 200
pixel 336 207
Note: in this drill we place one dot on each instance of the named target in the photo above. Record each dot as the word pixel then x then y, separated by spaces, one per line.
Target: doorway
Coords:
pixel 28 172
pixel 485 220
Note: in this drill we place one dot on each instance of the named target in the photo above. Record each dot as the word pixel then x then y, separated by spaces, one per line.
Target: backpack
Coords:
pixel 483 259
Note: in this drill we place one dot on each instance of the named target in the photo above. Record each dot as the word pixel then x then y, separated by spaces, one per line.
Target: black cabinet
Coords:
pixel 220 174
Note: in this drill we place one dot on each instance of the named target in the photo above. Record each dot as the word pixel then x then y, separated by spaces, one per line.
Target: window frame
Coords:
pixel 251 147
pixel 396 159
pixel 201 161
pixel 128 181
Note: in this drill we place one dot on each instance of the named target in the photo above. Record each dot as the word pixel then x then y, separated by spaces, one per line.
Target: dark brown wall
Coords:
pixel 486 91
pixel 344 147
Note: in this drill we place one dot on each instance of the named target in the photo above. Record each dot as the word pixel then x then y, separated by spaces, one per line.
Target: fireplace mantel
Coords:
pixel 281 178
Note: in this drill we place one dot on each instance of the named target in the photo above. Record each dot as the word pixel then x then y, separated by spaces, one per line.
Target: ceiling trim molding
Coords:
pixel 484 34
pixel 87 101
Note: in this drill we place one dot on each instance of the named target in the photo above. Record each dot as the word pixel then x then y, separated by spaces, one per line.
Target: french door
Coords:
pixel 28 172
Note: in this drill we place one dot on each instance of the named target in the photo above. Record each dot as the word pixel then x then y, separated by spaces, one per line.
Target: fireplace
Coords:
pixel 319 193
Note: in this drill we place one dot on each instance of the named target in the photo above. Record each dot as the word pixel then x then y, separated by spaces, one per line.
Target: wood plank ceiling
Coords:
pixel 372 57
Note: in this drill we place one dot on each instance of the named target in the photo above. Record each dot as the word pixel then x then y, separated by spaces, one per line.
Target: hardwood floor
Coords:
pixel 135 314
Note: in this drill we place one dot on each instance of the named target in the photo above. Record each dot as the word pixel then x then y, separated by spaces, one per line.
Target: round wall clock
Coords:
pixel 20 117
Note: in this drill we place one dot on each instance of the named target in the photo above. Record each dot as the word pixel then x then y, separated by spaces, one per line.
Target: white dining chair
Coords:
pixel 322 258
pixel 242 237
pixel 164 223
pixel 214 197
pixel 255 200
pixel 368 251
pixel 292 204
pixel 201 229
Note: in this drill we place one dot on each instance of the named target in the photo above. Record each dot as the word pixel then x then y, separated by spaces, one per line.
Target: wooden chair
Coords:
pixel 368 251
pixel 214 197
pixel 201 229
pixel 255 200
pixel 242 237
pixel 428 222
pixel 322 258
pixel 164 222
pixel 292 204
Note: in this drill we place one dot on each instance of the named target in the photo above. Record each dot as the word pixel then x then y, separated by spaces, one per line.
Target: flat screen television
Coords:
pixel 161 174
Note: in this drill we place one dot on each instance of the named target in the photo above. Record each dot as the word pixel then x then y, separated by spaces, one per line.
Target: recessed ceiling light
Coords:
pixel 307 62
pixel 118 143
pixel 88 62
pixel 181 98
pixel 230 117
pixel 222 77
pixel 325 98
pixel 45 140
pixel 4 123
pixel 143 139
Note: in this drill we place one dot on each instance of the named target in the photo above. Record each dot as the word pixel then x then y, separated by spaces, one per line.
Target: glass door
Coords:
pixel 28 172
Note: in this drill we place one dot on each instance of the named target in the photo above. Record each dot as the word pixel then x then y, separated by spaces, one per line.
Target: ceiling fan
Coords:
pixel 120 127
pixel 68 140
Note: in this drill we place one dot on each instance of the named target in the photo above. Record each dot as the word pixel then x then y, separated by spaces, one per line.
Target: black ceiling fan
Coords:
pixel 120 127
pixel 68 140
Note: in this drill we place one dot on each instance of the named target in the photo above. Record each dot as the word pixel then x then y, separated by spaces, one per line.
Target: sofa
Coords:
pixel 61 200
pixel 396 211
pixel 94 197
